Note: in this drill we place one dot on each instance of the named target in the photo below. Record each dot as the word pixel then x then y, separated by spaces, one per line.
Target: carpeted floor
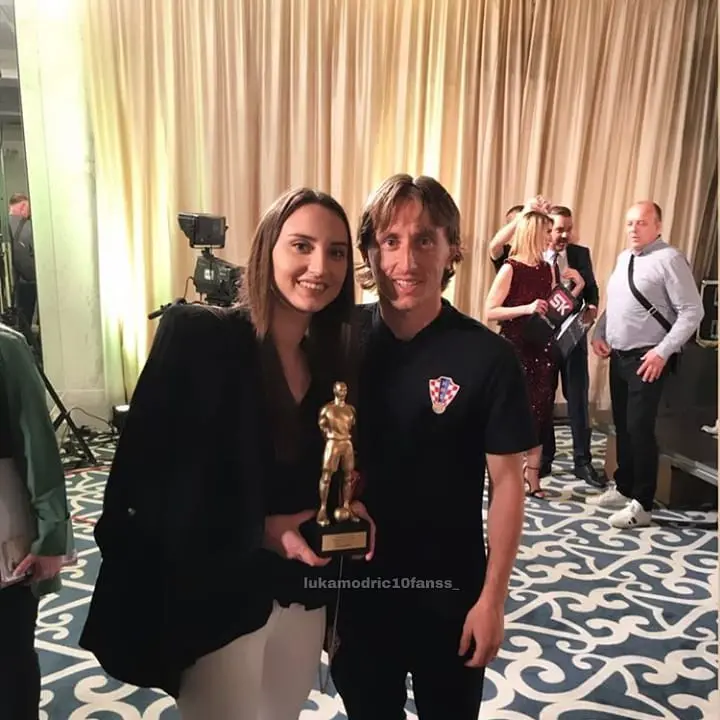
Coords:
pixel 601 623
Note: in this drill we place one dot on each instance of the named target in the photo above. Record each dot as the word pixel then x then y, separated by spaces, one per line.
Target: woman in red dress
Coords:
pixel 519 291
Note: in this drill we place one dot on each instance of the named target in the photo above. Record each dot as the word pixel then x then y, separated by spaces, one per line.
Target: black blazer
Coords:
pixel 183 512
pixel 579 259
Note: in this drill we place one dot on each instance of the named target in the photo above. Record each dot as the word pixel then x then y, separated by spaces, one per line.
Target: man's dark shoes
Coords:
pixel 591 476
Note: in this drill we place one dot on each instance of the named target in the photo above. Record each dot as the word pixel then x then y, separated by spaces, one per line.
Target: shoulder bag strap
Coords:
pixel 644 301
pixel 15 236
pixel 14 241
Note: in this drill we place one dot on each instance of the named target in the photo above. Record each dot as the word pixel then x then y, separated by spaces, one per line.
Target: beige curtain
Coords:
pixel 706 254
pixel 219 105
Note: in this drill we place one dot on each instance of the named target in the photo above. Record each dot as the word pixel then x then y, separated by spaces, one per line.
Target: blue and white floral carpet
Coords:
pixel 601 623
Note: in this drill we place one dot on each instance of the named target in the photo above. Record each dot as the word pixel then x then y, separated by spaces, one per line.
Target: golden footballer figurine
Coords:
pixel 336 421
pixel 349 534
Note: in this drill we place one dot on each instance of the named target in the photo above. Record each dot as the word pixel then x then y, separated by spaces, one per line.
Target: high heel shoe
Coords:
pixel 538 493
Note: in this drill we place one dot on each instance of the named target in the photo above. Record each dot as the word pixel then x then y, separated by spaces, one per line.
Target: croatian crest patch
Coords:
pixel 442 392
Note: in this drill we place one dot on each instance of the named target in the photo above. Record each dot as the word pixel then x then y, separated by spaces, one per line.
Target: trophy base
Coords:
pixel 350 537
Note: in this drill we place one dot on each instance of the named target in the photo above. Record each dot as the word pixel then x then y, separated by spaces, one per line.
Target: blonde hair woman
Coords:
pixel 518 292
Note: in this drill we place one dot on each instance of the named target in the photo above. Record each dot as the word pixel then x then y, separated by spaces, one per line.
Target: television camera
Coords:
pixel 215 279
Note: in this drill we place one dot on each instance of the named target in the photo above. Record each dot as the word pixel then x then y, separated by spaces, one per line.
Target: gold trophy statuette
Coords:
pixel 349 533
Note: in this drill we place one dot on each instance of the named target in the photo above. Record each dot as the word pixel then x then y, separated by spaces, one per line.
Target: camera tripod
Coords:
pixel 13 319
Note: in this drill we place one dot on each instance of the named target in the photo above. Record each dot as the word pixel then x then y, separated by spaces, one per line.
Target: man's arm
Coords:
pixel 591 293
pixel 30 240
pixel 505 522
pixel 500 239
pixel 504 235
pixel 685 300
pixel 36 442
pixel 599 343
pixel 600 325
pixel 509 432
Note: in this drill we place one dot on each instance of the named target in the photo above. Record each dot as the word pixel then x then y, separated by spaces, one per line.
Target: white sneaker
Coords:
pixel 611 498
pixel 632 516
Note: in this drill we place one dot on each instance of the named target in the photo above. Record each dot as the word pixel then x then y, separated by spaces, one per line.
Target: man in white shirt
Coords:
pixel 653 309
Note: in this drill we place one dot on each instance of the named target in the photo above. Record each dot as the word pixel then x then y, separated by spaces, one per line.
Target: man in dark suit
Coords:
pixel 573 370
pixel 23 256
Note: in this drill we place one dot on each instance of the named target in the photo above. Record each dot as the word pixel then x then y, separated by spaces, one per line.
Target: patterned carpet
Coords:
pixel 601 623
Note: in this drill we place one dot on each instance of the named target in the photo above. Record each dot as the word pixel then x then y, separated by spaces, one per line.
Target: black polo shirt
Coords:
pixel 430 410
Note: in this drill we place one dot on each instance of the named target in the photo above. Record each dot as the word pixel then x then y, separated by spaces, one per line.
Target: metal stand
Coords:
pixel 64 416
pixel 10 316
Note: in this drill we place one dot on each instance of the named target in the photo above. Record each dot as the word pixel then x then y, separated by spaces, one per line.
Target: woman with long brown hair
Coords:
pixel 520 290
pixel 203 587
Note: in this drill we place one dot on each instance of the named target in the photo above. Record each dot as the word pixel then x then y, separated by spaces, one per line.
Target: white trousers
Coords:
pixel 266 675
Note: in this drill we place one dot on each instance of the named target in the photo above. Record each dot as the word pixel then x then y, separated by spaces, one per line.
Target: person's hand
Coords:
pixel 282 535
pixel 538 306
pixel 575 276
pixel 39 567
pixel 360 510
pixel 601 348
pixel 485 624
pixel 651 366
pixel 589 315
pixel 536 204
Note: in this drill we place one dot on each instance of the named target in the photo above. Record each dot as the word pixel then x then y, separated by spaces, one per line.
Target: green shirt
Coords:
pixel 34 448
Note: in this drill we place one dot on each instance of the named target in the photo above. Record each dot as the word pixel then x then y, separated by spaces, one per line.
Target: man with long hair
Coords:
pixel 442 398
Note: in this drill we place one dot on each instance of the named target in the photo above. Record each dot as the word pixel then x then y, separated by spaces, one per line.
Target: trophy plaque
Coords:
pixel 337 530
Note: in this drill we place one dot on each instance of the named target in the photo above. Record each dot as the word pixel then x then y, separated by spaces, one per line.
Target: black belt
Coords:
pixel 634 353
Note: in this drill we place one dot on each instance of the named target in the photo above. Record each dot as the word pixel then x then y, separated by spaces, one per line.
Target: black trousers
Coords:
pixel 380 646
pixel 26 300
pixel 19 666
pixel 634 408
pixel 573 373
